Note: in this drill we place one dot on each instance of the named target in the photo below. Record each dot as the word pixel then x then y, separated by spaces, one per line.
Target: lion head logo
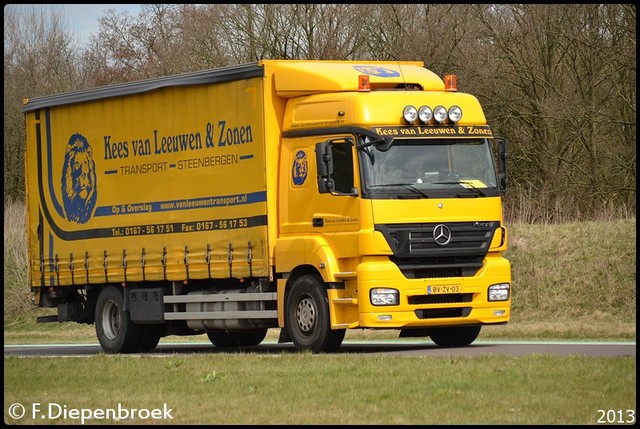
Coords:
pixel 79 192
pixel 300 168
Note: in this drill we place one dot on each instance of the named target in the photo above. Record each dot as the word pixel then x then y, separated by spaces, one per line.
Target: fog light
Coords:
pixel 384 317
pixel 499 313
pixel 499 292
pixel 384 296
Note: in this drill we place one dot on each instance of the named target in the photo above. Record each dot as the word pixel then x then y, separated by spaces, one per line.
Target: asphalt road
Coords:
pixel 389 347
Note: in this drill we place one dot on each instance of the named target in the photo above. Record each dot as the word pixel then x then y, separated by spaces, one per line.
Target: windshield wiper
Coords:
pixel 461 183
pixel 408 186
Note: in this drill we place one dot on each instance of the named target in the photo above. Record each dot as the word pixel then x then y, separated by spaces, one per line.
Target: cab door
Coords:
pixel 312 215
pixel 336 214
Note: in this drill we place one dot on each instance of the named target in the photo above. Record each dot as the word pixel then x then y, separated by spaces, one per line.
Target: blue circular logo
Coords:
pixel 79 181
pixel 377 71
pixel 300 168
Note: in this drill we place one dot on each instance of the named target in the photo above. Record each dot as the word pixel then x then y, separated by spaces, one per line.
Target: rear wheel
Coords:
pixel 459 336
pixel 224 339
pixel 114 328
pixel 307 317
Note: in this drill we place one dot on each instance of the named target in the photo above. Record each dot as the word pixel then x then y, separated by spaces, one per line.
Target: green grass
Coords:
pixel 303 388
pixel 576 271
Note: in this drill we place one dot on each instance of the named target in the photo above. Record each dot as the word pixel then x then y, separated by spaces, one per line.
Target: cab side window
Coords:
pixel 342 167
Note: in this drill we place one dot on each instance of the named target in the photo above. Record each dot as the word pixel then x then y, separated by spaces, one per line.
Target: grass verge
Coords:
pixel 324 389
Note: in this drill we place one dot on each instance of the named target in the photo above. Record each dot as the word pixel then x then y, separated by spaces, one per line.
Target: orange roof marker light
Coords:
pixel 363 83
pixel 450 82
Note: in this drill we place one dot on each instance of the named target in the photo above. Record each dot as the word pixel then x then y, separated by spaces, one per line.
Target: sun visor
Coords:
pixel 293 79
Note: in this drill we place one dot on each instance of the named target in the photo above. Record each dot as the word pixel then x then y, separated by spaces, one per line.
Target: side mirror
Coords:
pixel 324 165
pixel 503 180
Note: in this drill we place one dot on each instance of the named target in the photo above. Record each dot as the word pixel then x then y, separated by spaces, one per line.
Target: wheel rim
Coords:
pixel 111 320
pixel 306 314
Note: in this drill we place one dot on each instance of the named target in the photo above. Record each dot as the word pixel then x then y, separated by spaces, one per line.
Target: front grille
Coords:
pixel 444 298
pixel 438 267
pixel 417 254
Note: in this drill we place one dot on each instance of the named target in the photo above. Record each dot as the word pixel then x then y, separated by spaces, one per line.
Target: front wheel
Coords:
pixel 307 317
pixel 459 336
pixel 114 328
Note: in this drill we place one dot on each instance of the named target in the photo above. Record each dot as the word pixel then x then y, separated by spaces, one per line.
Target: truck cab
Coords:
pixel 390 200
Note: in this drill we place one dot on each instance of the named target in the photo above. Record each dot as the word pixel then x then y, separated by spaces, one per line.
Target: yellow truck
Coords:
pixel 310 196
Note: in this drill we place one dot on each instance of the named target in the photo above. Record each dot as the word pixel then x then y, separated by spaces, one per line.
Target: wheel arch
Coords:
pixel 308 313
pixel 284 286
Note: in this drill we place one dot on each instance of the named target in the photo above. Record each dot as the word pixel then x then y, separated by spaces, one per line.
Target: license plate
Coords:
pixel 439 289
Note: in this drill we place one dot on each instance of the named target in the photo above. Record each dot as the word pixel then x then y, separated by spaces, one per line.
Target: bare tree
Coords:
pixel 204 42
pixel 294 31
pixel 135 47
pixel 40 58
pixel 559 81
pixel 432 33
pixel 554 96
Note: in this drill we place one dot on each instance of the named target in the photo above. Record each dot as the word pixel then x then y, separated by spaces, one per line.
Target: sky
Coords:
pixel 82 19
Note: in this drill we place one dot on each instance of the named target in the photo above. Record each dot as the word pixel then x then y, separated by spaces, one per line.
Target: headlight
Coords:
pixel 410 114
pixel 455 113
pixel 440 113
pixel 384 296
pixel 499 292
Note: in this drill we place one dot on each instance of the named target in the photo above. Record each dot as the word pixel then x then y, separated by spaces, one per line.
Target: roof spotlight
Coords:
pixel 425 114
pixel 440 114
pixel 410 114
pixel 455 113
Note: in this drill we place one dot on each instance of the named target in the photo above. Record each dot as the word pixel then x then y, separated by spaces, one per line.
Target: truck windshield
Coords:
pixel 426 168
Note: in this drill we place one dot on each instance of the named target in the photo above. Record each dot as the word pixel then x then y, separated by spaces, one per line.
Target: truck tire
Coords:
pixel 114 328
pixel 223 339
pixel 459 336
pixel 307 317
pixel 150 337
